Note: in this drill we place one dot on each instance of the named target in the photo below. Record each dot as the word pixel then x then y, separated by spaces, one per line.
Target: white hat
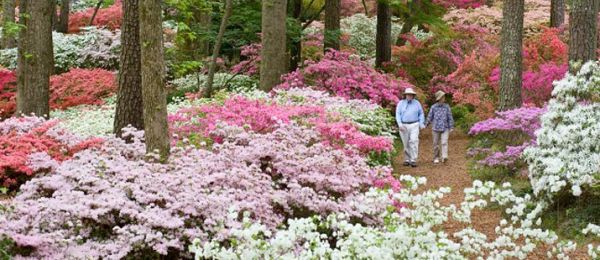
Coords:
pixel 439 95
pixel 409 91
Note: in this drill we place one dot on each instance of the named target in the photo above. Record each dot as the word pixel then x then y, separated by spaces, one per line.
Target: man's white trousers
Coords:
pixel 409 133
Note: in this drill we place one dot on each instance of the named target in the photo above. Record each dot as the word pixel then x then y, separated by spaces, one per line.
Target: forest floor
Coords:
pixel 454 174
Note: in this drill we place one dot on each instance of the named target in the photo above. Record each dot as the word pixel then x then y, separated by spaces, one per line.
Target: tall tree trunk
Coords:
pixel 408 22
pixel 332 25
pixel 557 13
pixel 583 33
pixel 273 55
pixel 296 45
pixel 205 21
pixel 153 79
pixel 384 34
pixel 63 22
pixel 511 66
pixel 35 58
pixel 8 16
pixel 489 3
pixel 95 12
pixel 130 106
pixel 213 63
pixel 364 3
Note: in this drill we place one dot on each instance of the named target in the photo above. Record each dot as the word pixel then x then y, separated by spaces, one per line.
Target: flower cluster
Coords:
pixel 222 81
pixel 23 140
pixel 343 75
pixel 513 131
pixel 567 148
pixel 362 33
pixel 459 3
pixel 76 87
pixel 251 65
pixel 110 17
pixel 412 233
pixel 262 117
pixel 92 48
pixel 110 202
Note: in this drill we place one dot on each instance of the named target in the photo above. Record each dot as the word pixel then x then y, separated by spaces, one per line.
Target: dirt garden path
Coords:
pixel 454 175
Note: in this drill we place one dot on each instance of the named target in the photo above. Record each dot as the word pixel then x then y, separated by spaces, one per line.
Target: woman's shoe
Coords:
pixel 436 161
pixel 445 160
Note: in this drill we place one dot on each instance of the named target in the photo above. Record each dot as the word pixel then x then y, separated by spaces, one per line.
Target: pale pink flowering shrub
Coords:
pixel 510 132
pixel 460 3
pixel 251 65
pixel 27 138
pixel 110 203
pixel 346 76
pixel 199 123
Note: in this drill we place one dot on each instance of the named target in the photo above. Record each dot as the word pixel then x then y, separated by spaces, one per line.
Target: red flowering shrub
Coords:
pixel 545 47
pixel 81 86
pixel 349 77
pixel 27 139
pixel 110 17
pixel 7 92
pixel 76 87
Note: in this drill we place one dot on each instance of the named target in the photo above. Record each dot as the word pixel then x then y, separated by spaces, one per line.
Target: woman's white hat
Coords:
pixel 439 95
pixel 409 91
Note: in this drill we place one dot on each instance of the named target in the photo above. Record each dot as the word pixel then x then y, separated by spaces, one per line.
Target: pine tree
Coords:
pixel 511 66
pixel 383 52
pixel 583 37
pixel 332 25
pixel 274 60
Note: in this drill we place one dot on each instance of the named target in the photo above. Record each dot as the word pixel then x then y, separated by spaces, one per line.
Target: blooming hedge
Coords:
pixel 110 17
pixel 346 76
pixel 76 87
pixel 566 155
pixel 110 202
pixel 8 80
pixel 30 139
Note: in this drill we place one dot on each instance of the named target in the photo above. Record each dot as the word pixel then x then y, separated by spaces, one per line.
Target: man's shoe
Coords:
pixel 406 164
pixel 436 161
pixel 413 164
pixel 445 160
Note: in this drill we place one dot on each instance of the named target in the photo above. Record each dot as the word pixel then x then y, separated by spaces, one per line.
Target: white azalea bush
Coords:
pixel 93 48
pixel 567 155
pixel 222 81
pixel 412 233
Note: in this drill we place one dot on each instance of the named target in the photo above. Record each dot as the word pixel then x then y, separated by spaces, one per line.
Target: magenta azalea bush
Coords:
pixel 111 203
pixel 347 76
pixel 199 123
pixel 506 136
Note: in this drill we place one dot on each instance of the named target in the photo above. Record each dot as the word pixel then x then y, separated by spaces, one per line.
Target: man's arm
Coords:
pixel 399 113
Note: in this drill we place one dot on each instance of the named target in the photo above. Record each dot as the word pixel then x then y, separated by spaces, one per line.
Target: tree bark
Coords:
pixel 489 3
pixel 557 13
pixel 35 58
pixel 332 25
pixel 217 48
pixel 296 45
pixel 364 3
pixel 153 79
pixel 273 55
pixel 383 40
pixel 63 22
pixel 582 33
pixel 511 65
pixel 130 106
pixel 8 16
pixel 205 21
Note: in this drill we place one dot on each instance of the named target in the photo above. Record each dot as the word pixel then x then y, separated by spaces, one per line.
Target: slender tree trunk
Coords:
pixel 130 106
pixel 153 79
pixel 296 46
pixel 205 21
pixel 583 37
pixel 35 58
pixel 489 3
pixel 8 16
pixel 273 55
pixel 384 34
pixel 511 66
pixel 332 25
pixel 213 64
pixel 63 22
pixel 95 12
pixel 364 3
pixel 557 13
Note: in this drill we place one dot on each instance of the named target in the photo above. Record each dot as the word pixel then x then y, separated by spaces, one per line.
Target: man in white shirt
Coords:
pixel 410 118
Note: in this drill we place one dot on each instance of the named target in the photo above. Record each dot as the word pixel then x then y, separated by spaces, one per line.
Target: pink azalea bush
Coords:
pixel 27 139
pixel 251 65
pixel 263 117
pixel 511 132
pixel 346 76
pixel 112 203
pixel 460 3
